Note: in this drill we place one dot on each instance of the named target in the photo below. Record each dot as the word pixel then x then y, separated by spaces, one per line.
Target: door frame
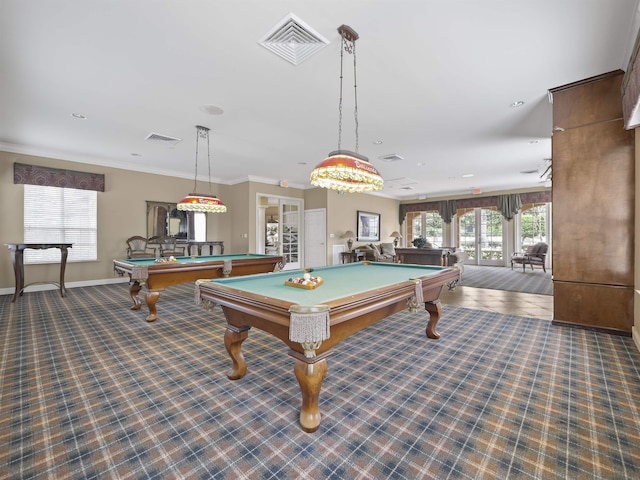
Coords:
pixel 261 223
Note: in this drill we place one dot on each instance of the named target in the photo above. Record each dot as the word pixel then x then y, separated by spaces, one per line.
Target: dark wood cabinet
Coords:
pixel 593 206
pixel 423 256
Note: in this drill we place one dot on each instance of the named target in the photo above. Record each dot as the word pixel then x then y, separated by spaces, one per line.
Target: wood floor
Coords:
pixel 501 301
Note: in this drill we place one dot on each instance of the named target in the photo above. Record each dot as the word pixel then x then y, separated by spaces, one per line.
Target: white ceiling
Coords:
pixel 435 82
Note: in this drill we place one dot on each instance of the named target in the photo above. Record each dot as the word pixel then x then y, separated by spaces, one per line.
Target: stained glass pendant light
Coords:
pixel 344 170
pixel 198 202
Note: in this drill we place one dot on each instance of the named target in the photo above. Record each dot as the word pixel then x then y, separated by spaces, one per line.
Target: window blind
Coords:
pixel 60 215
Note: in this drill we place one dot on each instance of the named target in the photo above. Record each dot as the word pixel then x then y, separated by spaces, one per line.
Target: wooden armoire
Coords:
pixel 593 206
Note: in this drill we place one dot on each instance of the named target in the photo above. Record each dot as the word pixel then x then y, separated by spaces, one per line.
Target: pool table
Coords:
pixel 157 276
pixel 312 321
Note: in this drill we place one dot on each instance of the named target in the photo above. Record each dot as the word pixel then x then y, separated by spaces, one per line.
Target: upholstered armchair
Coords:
pixel 137 248
pixel 535 255
pixel 168 247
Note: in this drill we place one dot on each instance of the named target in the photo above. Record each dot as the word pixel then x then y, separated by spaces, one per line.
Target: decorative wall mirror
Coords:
pixel 165 220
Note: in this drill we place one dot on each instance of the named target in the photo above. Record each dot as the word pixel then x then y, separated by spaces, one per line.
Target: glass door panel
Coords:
pixel 490 243
pixel 290 213
pixel 467 234
pixel 480 233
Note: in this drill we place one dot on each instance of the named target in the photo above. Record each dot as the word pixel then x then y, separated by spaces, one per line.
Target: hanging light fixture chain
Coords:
pixel 209 160
pixel 195 179
pixel 355 90
pixel 344 47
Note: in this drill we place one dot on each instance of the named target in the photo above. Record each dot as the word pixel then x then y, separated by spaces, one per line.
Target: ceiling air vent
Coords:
pixel 402 183
pixel 393 157
pixel 293 40
pixel 157 137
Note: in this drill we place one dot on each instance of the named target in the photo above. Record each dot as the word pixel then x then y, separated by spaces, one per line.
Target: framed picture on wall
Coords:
pixel 368 227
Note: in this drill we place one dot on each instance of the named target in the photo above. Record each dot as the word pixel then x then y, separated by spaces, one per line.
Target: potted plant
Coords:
pixel 421 242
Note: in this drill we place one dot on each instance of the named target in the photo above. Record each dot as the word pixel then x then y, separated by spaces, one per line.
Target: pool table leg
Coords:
pixel 310 377
pixel 134 289
pixel 233 338
pixel 151 299
pixel 435 310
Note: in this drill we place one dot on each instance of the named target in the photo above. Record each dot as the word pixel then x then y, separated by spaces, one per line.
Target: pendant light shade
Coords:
pixel 343 170
pixel 198 202
pixel 347 171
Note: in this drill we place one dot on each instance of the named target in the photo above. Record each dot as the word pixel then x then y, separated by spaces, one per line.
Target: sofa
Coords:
pixel 378 252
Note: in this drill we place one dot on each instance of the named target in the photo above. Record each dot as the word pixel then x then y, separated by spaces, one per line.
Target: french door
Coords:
pixel 482 235
pixel 291 245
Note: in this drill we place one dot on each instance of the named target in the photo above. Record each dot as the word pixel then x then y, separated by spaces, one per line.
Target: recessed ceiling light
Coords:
pixel 467 175
pixel 517 103
pixel 533 142
pixel 79 116
pixel 136 155
pixel 211 109
pixel 377 142
pixel 302 163
pixel 421 164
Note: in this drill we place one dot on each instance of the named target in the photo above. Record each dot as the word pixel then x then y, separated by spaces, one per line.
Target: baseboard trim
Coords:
pixel 636 337
pixel 611 331
pixel 67 285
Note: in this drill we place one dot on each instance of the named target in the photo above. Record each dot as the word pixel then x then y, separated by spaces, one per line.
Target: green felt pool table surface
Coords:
pixel 338 281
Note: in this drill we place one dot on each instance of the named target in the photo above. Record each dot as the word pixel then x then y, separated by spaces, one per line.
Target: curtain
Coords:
pixel 447 209
pixel 543 196
pixel 56 177
pixel 509 205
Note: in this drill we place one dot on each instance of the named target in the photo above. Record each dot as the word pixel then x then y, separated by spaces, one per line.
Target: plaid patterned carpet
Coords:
pixel 91 390
pixel 503 278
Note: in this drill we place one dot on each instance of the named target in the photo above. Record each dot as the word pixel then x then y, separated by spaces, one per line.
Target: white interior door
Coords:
pixel 315 235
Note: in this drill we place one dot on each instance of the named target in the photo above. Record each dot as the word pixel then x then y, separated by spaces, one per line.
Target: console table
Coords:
pixel 199 244
pixel 17 258
pixel 424 256
pixel 352 256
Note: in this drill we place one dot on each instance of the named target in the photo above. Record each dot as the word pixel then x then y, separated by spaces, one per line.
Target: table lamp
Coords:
pixel 396 235
pixel 349 236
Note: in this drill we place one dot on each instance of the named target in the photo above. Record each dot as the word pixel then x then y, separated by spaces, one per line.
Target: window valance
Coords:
pixel 56 177
pixel 473 202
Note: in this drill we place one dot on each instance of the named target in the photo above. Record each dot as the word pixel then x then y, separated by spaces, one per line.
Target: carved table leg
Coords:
pixel 435 310
pixel 64 253
pixel 310 377
pixel 134 289
pixel 152 298
pixel 18 270
pixel 233 339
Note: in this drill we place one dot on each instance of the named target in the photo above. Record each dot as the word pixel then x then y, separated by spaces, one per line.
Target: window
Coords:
pixel 428 222
pixel 199 226
pixel 533 224
pixel 60 215
pixel 434 228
